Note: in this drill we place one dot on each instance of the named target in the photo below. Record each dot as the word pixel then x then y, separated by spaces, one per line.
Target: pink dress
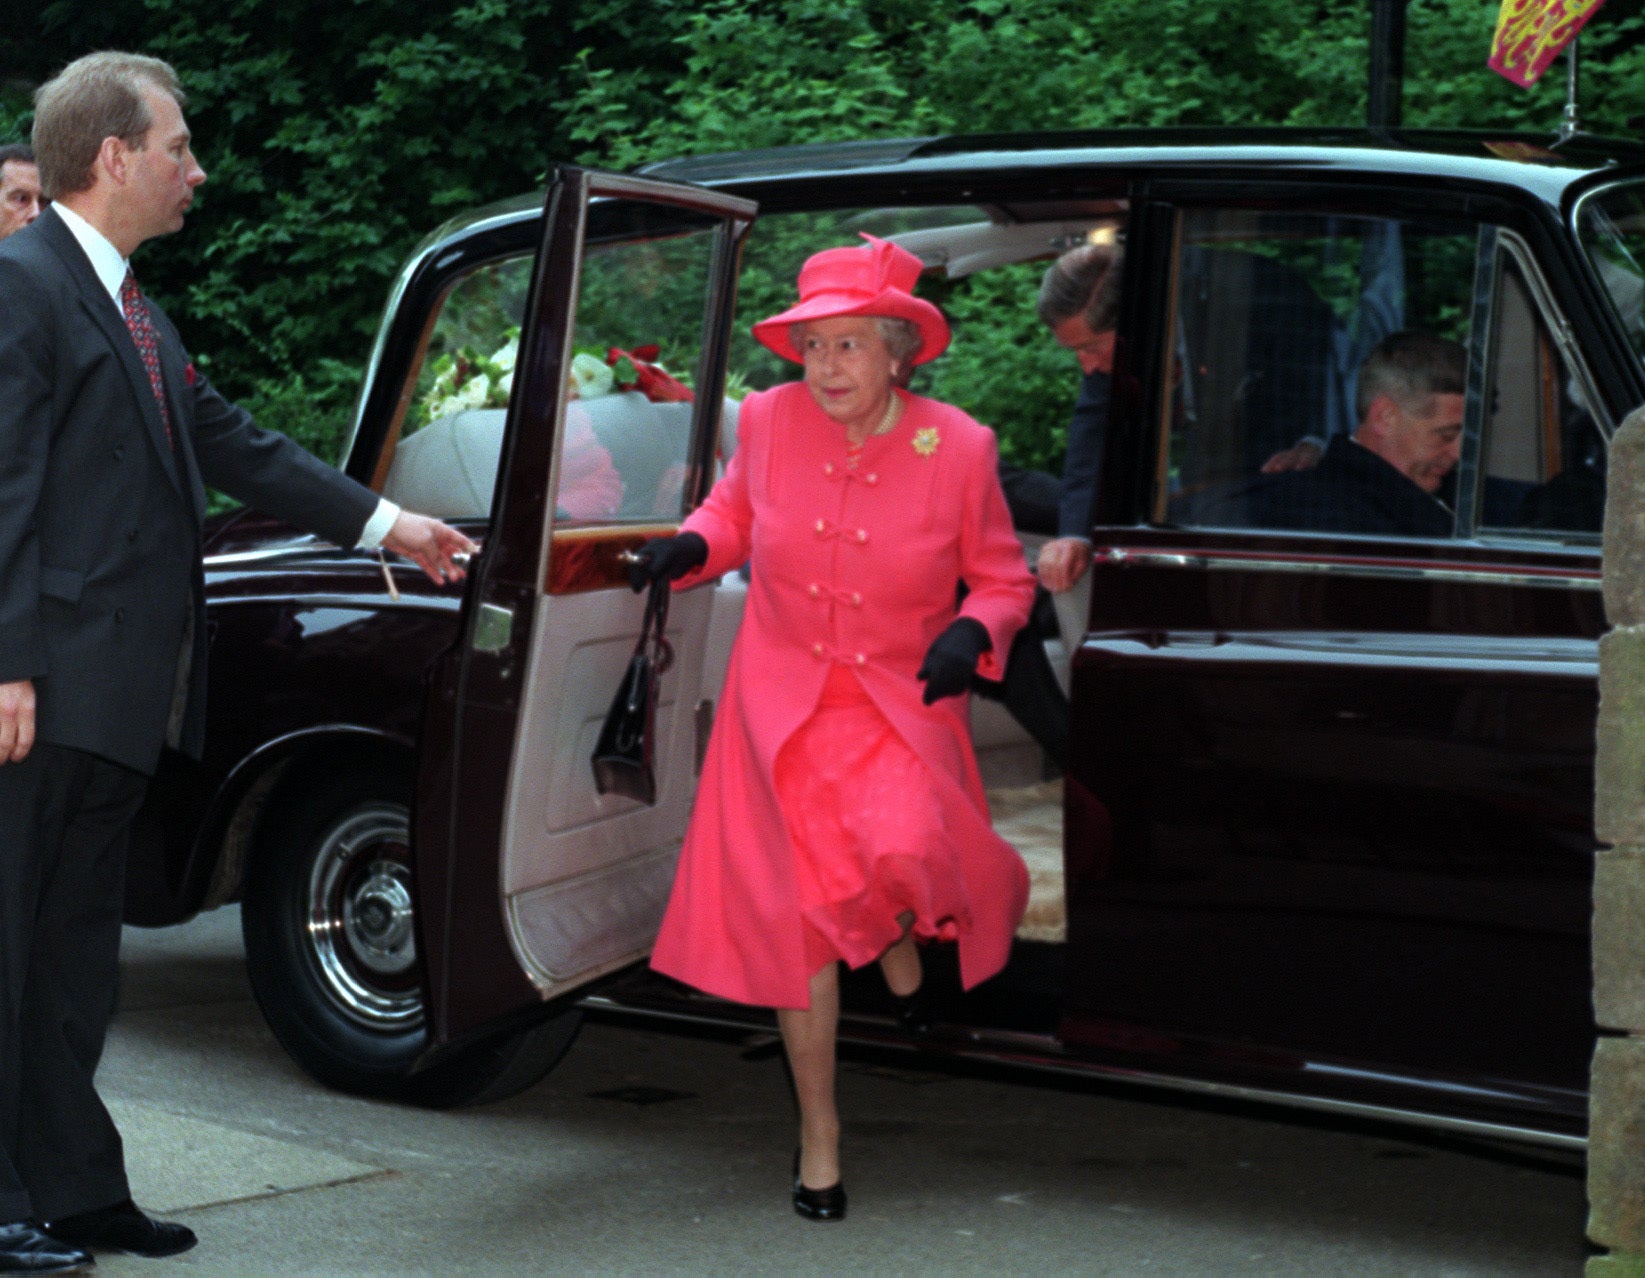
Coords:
pixel 832 799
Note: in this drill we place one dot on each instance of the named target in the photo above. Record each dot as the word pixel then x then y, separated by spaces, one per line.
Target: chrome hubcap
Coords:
pixel 360 918
pixel 377 920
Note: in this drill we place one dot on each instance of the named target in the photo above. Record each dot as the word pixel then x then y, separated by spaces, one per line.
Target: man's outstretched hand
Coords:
pixel 16 720
pixel 432 545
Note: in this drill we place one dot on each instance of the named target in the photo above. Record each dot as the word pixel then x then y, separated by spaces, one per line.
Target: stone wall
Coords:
pixel 1616 1109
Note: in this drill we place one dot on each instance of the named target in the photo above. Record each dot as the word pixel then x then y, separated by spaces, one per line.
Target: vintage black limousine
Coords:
pixel 1324 832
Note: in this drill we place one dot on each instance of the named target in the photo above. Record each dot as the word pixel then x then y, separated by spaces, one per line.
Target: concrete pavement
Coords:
pixel 648 1152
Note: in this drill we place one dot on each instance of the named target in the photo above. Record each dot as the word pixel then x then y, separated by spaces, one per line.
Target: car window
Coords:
pixel 638 342
pixel 1273 316
pixel 445 460
pixel 1612 226
pixel 627 429
pixel 1542 456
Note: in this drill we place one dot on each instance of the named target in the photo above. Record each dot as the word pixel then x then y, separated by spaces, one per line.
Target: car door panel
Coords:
pixel 1309 826
pixel 567 846
pixel 530 883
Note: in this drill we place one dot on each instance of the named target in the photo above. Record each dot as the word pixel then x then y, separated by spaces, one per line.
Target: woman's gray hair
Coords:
pixel 95 97
pixel 901 337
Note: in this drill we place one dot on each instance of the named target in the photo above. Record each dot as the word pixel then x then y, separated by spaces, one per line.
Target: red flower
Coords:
pixel 649 379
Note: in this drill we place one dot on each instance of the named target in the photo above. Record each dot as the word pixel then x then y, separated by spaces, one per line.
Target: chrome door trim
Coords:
pixel 1433 654
pixel 1391 569
pixel 1043 1053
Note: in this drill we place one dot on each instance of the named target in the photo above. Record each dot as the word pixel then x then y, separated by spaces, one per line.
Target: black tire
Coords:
pixel 331 950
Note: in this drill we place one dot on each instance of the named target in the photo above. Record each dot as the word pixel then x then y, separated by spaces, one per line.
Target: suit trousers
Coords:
pixel 65 824
pixel 1030 690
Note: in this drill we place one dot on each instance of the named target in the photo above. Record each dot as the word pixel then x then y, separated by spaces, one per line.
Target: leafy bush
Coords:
pixel 337 135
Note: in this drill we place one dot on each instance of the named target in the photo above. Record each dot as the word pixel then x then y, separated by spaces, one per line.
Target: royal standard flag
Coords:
pixel 1530 34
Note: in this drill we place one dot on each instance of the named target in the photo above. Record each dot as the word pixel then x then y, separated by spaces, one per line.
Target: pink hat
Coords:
pixel 876 278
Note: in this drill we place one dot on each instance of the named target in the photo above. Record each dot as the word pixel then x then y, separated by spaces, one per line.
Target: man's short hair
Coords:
pixel 1084 281
pixel 1409 367
pixel 22 152
pixel 95 97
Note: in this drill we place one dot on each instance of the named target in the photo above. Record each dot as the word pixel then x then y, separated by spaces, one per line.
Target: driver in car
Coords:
pixel 1389 476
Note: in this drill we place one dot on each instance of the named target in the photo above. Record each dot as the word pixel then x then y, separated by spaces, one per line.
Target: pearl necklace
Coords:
pixel 888 419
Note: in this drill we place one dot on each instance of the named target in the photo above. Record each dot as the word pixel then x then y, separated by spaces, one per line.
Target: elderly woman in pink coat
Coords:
pixel 840 814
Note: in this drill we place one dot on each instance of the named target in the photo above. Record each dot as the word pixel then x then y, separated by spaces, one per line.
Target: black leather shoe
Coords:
pixel 818 1204
pixel 123 1227
pixel 25 1248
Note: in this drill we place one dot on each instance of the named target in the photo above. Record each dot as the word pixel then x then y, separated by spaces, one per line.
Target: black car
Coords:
pixel 1324 833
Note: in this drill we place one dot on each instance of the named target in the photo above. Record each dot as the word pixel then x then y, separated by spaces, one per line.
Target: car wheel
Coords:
pixel 332 955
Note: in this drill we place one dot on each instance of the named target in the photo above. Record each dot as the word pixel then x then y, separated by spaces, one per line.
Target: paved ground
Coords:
pixel 651 1152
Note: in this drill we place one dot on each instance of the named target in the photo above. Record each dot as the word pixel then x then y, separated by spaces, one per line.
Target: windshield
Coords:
pixel 1612 226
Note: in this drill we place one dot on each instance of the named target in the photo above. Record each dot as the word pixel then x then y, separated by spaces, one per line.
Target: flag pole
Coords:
pixel 1384 99
pixel 1568 125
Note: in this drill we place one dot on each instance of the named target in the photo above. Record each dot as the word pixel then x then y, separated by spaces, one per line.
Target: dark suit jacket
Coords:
pixel 1352 490
pixel 1087 433
pixel 100 550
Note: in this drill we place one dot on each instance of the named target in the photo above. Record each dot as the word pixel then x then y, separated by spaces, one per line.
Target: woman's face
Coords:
pixel 848 369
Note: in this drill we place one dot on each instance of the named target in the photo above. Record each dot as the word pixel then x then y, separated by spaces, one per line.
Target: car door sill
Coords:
pixel 1045 1053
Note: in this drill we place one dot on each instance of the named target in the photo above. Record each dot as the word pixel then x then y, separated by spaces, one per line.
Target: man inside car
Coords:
pixel 1079 302
pixel 1389 477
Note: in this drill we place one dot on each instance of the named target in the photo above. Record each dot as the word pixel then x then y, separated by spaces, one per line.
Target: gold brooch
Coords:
pixel 925 441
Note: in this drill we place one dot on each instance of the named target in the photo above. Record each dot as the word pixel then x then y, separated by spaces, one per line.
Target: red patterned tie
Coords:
pixel 141 324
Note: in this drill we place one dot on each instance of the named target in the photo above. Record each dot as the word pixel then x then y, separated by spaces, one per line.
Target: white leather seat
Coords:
pixel 449 468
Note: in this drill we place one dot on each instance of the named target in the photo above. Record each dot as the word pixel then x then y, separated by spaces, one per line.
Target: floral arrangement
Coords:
pixel 466 379
pixel 619 370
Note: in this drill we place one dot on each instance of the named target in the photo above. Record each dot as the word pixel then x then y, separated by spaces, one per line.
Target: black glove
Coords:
pixel 951 659
pixel 667 559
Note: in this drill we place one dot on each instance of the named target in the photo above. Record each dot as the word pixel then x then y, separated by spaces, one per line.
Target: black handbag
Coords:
pixel 622 756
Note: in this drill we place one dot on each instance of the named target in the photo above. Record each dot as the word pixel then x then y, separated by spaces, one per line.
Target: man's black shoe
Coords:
pixel 123 1227
pixel 27 1249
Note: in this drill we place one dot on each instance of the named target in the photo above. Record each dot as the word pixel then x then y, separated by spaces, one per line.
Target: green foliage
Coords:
pixel 334 136
pixel 14 118
pixel 307 408
pixel 338 134
pixel 1003 369
pixel 312 409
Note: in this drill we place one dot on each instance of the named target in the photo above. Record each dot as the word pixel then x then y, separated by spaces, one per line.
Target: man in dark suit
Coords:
pixel 1391 476
pixel 1079 302
pixel 108 436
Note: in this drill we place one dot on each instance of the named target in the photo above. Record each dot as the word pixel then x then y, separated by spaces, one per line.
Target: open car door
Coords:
pixel 529 883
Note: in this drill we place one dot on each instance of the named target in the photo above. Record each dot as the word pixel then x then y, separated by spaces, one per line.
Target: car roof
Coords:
pixel 1544 166
pixel 1518 159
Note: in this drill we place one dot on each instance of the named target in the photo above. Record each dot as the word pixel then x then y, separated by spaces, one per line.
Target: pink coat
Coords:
pixel 859 570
